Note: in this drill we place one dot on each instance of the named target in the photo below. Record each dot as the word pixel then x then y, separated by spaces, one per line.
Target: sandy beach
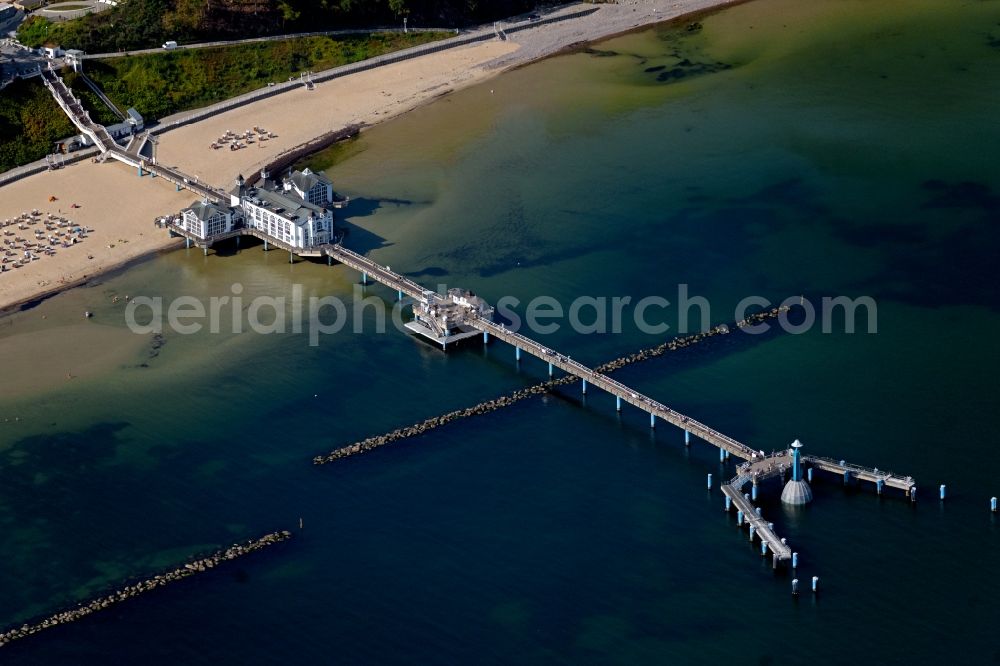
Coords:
pixel 120 207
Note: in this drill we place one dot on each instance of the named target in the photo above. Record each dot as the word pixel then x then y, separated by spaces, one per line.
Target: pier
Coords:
pixel 109 148
pixel 460 314
pixel 757 466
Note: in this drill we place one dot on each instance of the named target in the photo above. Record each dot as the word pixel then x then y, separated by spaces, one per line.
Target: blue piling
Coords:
pixel 941 491
pixel 618 403
pixel 763 548
pixel 753 493
pixel 913 493
pixel 815 584
pixel 187 243
pixel 727 454
pixel 809 475
pixel 847 477
pixel 550 370
pixel 687 438
pixel 364 278
pixel 879 484
pixel 739 517
pixel 729 503
pixel 760 512
pixel 399 294
pixel 722 455
pixel 752 530
pixel 993 504
pixel 652 420
pixel 795 587
pixel 795 561
pixel 584 389
pixel 709 482
pixel 486 337
pixel 517 353
pixel 265 245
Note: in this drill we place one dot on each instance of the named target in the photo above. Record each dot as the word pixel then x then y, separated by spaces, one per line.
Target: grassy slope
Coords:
pixel 30 121
pixel 163 83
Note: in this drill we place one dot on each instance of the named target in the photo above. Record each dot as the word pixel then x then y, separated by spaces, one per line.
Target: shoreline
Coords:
pixel 445 71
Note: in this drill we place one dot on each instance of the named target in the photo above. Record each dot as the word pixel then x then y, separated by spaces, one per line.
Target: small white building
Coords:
pixel 74 58
pixel 52 51
pixel 132 124
pixel 204 219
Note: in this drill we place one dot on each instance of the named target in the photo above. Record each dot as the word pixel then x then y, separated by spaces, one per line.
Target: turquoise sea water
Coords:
pixel 835 148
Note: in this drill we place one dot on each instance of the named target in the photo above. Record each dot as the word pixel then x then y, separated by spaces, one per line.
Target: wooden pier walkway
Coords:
pixel 109 148
pixel 777 546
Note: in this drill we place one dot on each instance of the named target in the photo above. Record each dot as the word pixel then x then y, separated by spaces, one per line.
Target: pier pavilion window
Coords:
pixel 216 224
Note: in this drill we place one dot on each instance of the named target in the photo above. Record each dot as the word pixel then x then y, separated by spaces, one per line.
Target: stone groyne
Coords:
pixel 509 399
pixel 135 589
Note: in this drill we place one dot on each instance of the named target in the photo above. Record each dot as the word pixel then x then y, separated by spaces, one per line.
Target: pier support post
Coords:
pixel 760 512
pixel 739 517
pixel 177 188
pixel 486 337
pixel 795 560
pixel 941 491
pixel 399 294
pixel 364 278
pixel 584 388
pixel 809 475
pixel 993 504
pixel 517 353
pixel 291 257
pixel 729 503
pixel 652 420
pixel 727 454
pixel 550 370
pixel 237 241
pixel 141 174
pixel 752 530
pixel 205 250
pixel 815 584
pixel 879 484
pixel 722 455
pixel 687 438
pixel 753 492
pixel 709 482
pixel 795 587
pixel 265 245
pixel 329 260
pixel 763 548
pixel 618 403
pixel 913 493
pixel 774 561
pixel 187 243
pixel 847 477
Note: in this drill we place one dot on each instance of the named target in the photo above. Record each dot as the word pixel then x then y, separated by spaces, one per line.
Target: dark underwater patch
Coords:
pixel 687 69
pixel 599 53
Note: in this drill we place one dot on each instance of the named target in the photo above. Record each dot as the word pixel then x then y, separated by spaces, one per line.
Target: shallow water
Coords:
pixel 838 148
